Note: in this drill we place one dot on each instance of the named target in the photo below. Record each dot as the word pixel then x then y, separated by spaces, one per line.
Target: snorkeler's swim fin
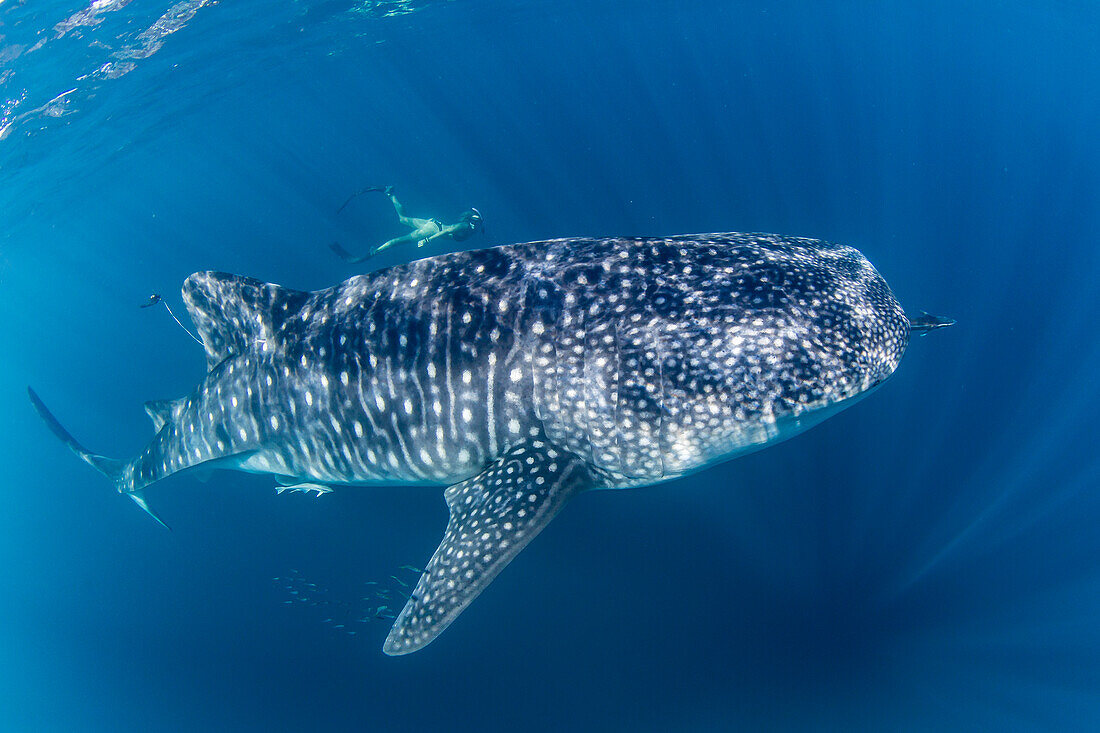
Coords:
pixel 340 251
pixel 360 192
pixel 348 256
pixel 112 468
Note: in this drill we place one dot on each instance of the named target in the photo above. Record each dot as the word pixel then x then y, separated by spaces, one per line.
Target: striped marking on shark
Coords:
pixel 519 376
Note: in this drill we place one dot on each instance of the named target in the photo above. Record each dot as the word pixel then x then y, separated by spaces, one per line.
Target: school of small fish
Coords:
pixel 380 600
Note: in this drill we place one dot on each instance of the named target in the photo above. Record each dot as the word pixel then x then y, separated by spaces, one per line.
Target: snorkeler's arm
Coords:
pixel 444 232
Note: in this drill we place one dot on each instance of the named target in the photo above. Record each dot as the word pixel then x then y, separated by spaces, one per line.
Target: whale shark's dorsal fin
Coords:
pixel 235 314
pixel 162 411
pixel 493 516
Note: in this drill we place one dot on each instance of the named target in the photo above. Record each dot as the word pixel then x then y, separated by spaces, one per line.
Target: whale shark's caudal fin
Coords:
pixel 493 516
pixel 112 468
pixel 236 315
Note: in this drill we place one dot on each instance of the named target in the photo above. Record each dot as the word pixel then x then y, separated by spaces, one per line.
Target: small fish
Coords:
pixel 411 569
pixel 327 620
pixel 338 626
pixel 288 601
pixel 403 583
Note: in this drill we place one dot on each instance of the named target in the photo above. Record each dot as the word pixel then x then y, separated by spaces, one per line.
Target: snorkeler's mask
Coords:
pixel 472 218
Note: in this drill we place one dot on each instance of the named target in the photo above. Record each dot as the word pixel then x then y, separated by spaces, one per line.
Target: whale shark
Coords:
pixel 519 376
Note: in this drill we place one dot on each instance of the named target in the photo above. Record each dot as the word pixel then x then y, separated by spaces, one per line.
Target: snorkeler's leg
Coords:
pixel 411 222
pixel 356 259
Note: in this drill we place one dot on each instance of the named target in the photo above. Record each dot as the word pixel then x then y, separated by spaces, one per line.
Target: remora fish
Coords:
pixel 519 376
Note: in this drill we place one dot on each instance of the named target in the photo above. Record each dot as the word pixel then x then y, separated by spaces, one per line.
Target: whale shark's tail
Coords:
pixel 112 468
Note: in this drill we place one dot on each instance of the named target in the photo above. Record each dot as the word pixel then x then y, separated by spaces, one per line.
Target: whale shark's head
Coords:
pixel 758 337
pixel 817 328
pixel 821 319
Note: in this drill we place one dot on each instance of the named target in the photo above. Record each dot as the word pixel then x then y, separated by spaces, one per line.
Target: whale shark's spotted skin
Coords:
pixel 521 375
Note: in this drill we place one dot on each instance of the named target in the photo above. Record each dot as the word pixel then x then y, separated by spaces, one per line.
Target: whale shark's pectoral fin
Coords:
pixel 493 516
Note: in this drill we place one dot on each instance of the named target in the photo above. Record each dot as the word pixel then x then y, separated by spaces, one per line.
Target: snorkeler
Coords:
pixel 423 230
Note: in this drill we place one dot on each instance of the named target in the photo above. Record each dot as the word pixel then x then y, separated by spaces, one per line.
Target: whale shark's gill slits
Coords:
pixel 617 437
pixel 235 315
pixel 639 403
pixel 582 384
pixel 604 356
pixel 662 400
pixel 490 407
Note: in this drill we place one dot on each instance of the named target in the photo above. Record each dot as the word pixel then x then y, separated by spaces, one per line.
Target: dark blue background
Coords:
pixel 929 559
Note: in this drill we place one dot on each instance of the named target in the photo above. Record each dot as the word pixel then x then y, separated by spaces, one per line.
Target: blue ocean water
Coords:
pixel 927 560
